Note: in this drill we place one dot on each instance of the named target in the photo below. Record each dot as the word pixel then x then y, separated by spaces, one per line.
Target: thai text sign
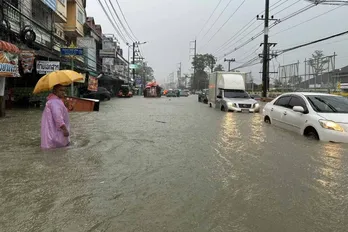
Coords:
pixel 71 51
pixel 8 64
pixel 43 66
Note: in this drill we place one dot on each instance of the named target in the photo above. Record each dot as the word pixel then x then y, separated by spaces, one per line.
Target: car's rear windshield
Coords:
pixel 328 104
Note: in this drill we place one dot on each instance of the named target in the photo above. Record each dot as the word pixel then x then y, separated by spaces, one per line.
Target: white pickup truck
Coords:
pixel 227 93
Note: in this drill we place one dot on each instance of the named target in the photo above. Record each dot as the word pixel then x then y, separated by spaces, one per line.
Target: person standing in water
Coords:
pixel 55 123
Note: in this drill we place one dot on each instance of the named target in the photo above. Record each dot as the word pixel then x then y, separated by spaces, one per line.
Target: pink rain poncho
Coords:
pixel 54 116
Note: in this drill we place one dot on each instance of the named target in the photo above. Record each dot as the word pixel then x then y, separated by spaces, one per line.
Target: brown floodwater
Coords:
pixel 169 165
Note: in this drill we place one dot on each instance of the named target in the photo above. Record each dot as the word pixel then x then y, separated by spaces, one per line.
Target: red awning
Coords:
pixel 8 47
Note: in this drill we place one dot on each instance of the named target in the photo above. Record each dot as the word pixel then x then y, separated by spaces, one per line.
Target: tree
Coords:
pixel 200 63
pixel 144 71
pixel 219 67
pixel 318 62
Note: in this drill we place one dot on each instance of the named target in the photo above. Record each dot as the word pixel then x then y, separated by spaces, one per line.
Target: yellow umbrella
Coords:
pixel 59 77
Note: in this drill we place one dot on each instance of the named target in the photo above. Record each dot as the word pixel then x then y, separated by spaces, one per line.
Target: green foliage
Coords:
pixel 219 67
pixel 145 71
pixel 318 62
pixel 200 63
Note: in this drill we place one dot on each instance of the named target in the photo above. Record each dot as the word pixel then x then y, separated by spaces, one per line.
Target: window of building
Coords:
pixel 80 16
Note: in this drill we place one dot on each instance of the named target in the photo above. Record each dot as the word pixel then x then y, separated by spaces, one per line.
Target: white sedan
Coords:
pixel 316 115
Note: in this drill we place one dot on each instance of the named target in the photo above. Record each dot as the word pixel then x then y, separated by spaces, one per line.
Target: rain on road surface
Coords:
pixel 169 165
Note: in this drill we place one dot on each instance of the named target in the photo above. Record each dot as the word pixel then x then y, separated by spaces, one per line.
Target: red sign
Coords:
pixel 92 84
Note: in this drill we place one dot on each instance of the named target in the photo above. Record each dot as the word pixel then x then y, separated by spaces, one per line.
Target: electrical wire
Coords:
pixel 313 42
pixel 307 20
pixel 285 8
pixel 217 19
pixel 248 25
pixel 122 25
pixel 112 23
pixel 115 22
pixel 119 6
pixel 272 25
pixel 226 21
pixel 211 15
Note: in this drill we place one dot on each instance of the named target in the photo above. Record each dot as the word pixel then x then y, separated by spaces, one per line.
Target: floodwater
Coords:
pixel 169 165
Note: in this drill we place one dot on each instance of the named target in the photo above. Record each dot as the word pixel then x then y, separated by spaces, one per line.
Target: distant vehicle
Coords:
pixel 227 93
pixel 184 94
pixel 315 115
pixel 125 91
pixel 171 93
pixel 101 94
pixel 255 97
pixel 203 96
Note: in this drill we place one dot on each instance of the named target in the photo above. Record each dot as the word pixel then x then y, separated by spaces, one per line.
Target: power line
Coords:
pixel 285 8
pixel 115 21
pixel 217 18
pixel 247 26
pixel 274 24
pixel 313 42
pixel 227 20
pixel 112 23
pixel 119 6
pixel 212 13
pixel 307 20
pixel 124 28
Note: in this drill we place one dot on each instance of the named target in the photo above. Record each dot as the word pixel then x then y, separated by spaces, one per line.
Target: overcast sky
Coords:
pixel 169 25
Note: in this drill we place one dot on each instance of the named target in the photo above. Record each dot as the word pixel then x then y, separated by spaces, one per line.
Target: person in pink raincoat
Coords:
pixel 55 123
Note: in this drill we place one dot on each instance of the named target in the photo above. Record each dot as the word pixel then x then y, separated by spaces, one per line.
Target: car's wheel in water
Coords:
pixel 267 120
pixel 311 133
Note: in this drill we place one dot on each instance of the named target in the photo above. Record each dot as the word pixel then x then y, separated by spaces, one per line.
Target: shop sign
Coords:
pixel 43 66
pixel 27 59
pixel 71 51
pixel 93 84
pixel 8 64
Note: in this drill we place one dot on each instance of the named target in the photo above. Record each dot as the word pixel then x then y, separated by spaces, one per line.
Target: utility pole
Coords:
pixel 179 75
pixel 133 62
pixel 229 62
pixel 194 57
pixel 265 55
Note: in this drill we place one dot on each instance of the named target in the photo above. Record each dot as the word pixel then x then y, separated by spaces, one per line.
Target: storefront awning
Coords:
pixel 8 47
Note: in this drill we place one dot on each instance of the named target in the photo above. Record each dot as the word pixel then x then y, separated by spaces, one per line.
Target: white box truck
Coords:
pixel 227 93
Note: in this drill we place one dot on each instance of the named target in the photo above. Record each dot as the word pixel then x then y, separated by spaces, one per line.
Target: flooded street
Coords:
pixel 169 164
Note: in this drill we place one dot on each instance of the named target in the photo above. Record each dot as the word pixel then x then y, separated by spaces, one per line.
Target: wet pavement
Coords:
pixel 169 165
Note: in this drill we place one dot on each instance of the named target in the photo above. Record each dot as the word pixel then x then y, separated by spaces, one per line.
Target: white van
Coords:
pixel 227 93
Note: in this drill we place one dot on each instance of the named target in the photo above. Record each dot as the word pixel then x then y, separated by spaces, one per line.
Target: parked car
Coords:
pixel 184 94
pixel 125 91
pixel 315 115
pixel 203 96
pixel 101 94
pixel 171 93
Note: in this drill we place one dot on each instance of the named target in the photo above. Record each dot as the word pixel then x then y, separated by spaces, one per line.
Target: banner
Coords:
pixel 44 67
pixel 27 59
pixel 92 84
pixel 8 64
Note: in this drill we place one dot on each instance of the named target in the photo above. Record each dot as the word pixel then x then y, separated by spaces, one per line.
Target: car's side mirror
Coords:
pixel 299 109
pixel 252 97
pixel 218 96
